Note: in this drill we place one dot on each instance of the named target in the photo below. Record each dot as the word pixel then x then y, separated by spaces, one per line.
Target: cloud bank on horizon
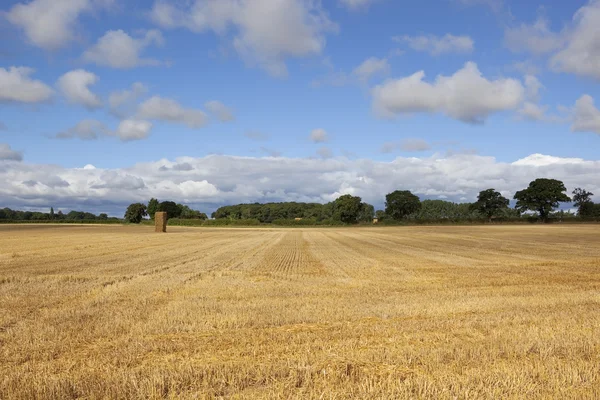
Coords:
pixel 203 102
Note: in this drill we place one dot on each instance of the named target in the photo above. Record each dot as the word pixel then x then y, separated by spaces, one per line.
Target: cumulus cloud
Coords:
pixel 586 117
pixel 581 55
pixel 319 135
pixel 536 38
pixel 436 45
pixel 133 129
pixel 91 129
pixel 17 86
pixel 159 108
pixel 295 28
pixel 123 102
pixel 220 110
pixel 215 180
pixel 88 129
pixel 370 67
pixel 466 96
pixel 75 87
pixel 50 24
pixel 532 111
pixel 7 153
pixel 117 49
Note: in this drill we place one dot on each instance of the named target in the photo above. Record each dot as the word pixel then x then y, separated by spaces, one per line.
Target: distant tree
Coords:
pixel 489 203
pixel 171 208
pixel 187 213
pixel 367 212
pixel 60 215
pixel 581 197
pixel 542 195
pixel 380 215
pixel 51 212
pixel 103 216
pixel 152 208
pixel 401 203
pixel 135 212
pixel 347 209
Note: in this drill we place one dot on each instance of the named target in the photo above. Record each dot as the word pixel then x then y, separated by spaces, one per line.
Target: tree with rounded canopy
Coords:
pixel 489 203
pixel 135 212
pixel 581 197
pixel 401 203
pixel 543 195
pixel 348 208
pixel 152 207
pixel 171 208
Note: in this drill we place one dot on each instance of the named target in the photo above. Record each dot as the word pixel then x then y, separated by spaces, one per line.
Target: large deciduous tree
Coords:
pixel 153 205
pixel 401 203
pixel 171 208
pixel 135 212
pixel 543 195
pixel 489 203
pixel 348 208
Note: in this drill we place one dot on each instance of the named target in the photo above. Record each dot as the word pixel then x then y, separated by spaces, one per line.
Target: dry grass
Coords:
pixel 419 312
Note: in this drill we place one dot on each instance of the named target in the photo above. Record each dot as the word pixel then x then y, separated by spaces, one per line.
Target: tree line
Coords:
pixel 537 201
pixel 16 215
pixel 137 211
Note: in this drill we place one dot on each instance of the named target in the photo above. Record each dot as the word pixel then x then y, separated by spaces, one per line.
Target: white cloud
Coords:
pixel 532 87
pixel 74 86
pixel 117 49
pixel 586 117
pixel 466 95
pixel 50 24
pixel 532 111
pixel 370 67
pixel 8 154
pixel 88 129
pixel 122 102
pixel 133 129
pixel 220 110
pixel 216 180
pixel 159 108
pixel 536 38
pixel 17 86
pixel 319 135
pixel 581 56
pixel 436 45
pixel 295 28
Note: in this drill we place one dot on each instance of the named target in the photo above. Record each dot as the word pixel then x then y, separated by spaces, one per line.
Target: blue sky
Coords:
pixel 345 96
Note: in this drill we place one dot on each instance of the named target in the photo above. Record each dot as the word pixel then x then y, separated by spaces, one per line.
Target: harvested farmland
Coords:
pixel 410 312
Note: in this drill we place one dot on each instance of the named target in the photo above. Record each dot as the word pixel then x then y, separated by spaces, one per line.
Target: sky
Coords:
pixel 213 102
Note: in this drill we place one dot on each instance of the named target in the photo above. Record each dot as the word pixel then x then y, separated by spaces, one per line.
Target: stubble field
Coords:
pixel 413 312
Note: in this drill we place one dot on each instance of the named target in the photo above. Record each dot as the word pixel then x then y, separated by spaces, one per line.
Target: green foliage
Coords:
pixel 347 208
pixel 542 196
pixel 152 207
pixel 72 216
pixel 188 213
pixel 590 211
pixel 367 213
pixel 441 210
pixel 135 212
pixel 490 203
pixel 171 208
pixel 401 203
pixel 380 215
